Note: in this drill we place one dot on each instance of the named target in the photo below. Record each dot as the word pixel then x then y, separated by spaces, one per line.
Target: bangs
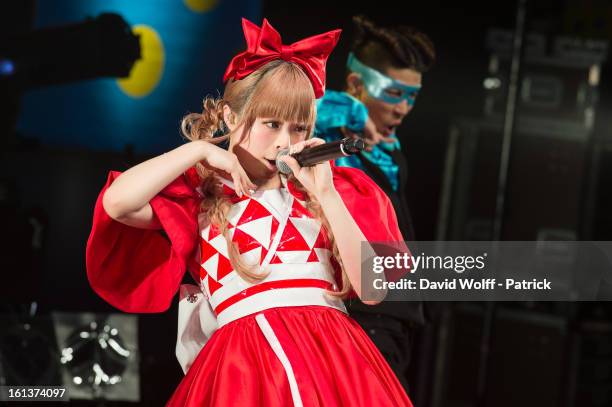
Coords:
pixel 285 93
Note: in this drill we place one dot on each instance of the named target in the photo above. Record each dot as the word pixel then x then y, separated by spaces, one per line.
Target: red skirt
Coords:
pixel 290 356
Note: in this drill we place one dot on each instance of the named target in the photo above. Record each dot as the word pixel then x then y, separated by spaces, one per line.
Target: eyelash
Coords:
pixel 299 129
pixel 273 123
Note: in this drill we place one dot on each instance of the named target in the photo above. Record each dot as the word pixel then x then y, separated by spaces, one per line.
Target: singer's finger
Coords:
pixel 250 184
pixel 297 147
pixel 291 163
pixel 249 187
pixel 315 141
pixel 243 185
pixel 246 189
pixel 388 139
pixel 237 185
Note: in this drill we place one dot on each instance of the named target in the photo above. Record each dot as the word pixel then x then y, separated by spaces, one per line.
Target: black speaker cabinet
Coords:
pixel 547 184
pixel 518 357
pixel 592 381
pixel 527 359
pixel 548 193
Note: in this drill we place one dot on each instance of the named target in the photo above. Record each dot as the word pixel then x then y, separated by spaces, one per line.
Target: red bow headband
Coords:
pixel 264 45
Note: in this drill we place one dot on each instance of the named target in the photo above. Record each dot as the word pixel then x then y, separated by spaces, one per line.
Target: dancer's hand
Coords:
pixel 317 179
pixel 371 136
pixel 227 163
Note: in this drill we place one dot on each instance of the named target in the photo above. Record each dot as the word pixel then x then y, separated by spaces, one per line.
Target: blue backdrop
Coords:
pixel 198 37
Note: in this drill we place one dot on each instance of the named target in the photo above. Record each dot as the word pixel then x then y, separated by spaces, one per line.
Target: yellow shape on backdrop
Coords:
pixel 148 70
pixel 200 6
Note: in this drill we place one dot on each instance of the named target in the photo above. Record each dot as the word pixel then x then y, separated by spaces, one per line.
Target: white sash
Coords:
pixel 196 324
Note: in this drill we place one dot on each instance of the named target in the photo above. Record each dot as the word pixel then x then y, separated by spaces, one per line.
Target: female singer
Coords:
pixel 273 255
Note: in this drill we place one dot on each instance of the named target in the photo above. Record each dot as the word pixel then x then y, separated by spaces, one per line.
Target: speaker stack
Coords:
pixel 550 187
pixel 538 354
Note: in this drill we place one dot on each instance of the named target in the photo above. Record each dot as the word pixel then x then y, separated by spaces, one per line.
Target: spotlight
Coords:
pixel 7 67
pixel 492 83
pixel 99 355
pixel 99 47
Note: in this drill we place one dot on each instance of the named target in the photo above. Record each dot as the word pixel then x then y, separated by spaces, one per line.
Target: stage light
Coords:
pixel 98 355
pixel 104 46
pixel 492 83
pixel 7 67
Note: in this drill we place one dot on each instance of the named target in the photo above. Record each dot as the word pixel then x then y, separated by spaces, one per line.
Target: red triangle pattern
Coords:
pixel 213 232
pixel 227 190
pixel 312 258
pixel 224 268
pixel 295 192
pixel 253 211
pixel 264 253
pixel 203 273
pixel 244 241
pixel 213 285
pixel 299 211
pixel 322 241
pixel 275 260
pixel 292 239
pixel 207 251
pixel 231 194
pixel 275 225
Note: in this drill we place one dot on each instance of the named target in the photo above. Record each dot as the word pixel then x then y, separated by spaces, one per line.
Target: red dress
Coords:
pixel 279 342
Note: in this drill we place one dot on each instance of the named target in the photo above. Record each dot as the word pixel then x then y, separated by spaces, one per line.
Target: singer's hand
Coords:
pixel 317 179
pixel 227 163
pixel 371 136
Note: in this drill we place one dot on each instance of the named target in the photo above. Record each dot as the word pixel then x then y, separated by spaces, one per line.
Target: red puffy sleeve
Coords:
pixel 373 212
pixel 368 204
pixel 140 270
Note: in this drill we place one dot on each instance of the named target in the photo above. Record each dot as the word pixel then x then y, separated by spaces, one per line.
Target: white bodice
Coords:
pixel 274 233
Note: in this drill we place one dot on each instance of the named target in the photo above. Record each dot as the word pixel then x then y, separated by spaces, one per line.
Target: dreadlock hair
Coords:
pixel 398 46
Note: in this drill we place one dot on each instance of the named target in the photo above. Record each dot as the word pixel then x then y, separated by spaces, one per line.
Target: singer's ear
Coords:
pixel 354 86
pixel 229 117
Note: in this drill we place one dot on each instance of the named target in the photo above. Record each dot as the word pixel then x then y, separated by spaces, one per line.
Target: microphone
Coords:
pixel 325 152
